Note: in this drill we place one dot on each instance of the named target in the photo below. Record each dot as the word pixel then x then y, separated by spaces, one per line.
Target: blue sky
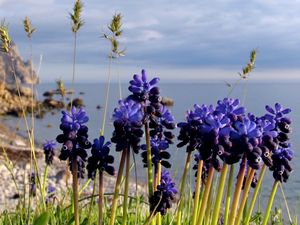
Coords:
pixel 182 40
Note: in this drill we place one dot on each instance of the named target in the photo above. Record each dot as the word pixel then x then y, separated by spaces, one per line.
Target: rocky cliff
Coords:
pixel 11 102
pixel 21 68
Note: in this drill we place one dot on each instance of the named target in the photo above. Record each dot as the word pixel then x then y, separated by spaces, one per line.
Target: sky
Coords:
pixel 182 40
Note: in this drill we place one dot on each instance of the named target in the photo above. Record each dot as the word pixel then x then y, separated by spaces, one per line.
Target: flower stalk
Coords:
pixel 270 203
pixel 182 186
pixel 149 160
pixel 255 194
pixel 125 202
pixel 245 195
pixel 219 194
pixel 197 192
pixel 100 203
pixel 75 189
pixel 229 193
pixel 117 188
pixel 205 195
pixel 237 192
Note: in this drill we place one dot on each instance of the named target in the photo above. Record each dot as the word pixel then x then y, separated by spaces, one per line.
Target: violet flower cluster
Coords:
pixel 164 196
pixel 74 139
pixel 226 133
pixel 49 151
pixel 128 125
pixel 100 158
pixel 161 122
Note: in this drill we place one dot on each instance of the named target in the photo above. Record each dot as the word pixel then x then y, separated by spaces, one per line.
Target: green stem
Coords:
pixel 219 195
pixel 255 194
pixel 245 195
pixel 197 192
pixel 229 193
pixel 286 203
pixel 182 187
pixel 158 183
pixel 207 216
pixel 44 181
pixel 205 195
pixel 117 189
pixel 270 203
pixel 75 189
pixel 149 160
pixel 100 203
pixel 237 192
pixel 125 202
pixel 106 97
pixel 74 64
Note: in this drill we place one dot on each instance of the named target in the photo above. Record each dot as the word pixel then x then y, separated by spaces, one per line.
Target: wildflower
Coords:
pixel 74 138
pixel 159 155
pixel 230 107
pixel 50 194
pixel 32 184
pixel 245 138
pixel 49 151
pixel 281 167
pixel 165 194
pixel 205 167
pixel 100 158
pixel 127 122
pixel 161 123
pixel 277 113
pixel 141 88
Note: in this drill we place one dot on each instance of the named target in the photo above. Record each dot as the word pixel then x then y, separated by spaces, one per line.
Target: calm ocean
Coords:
pixel 254 95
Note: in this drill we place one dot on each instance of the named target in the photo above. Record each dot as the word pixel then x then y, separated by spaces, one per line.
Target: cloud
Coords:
pixel 177 34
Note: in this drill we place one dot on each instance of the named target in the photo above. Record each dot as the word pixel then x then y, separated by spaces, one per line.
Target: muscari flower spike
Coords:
pixel 245 139
pixel 166 192
pixel 50 194
pixel 74 138
pixel 281 163
pixel 49 150
pixel 100 158
pixel 128 125
pixel 158 152
pixel 161 123
pixel 141 88
pixel 189 131
pixel 32 184
pixel 231 108
pixel 205 167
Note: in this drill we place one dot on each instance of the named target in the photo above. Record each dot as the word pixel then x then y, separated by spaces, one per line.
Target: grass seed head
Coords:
pixel 28 27
pixel 4 36
pixel 77 22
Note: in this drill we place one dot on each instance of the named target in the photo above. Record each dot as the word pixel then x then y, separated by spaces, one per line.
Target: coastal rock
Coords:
pixel 22 68
pixel 53 104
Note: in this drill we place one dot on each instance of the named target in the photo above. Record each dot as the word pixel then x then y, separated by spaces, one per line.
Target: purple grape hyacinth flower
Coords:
pixel 128 111
pixel 140 85
pixel 73 120
pixel 158 147
pixel 162 199
pixel 49 150
pixel 281 166
pixel 100 158
pixel 230 107
pixel 128 123
pixel 277 113
pixel 74 138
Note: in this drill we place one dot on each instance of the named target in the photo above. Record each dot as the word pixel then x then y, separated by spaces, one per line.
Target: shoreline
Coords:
pixel 18 152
